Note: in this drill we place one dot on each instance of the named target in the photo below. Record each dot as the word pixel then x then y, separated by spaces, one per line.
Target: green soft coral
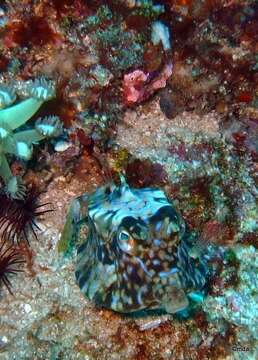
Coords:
pixel 12 117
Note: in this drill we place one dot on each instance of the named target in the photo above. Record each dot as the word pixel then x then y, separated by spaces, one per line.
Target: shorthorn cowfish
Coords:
pixel 137 251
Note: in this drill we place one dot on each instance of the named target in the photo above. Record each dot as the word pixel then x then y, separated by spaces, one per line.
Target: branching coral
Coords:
pixel 13 117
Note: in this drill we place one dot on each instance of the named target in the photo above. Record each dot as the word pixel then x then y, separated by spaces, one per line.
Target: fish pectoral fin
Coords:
pixel 78 209
pixel 175 300
pixel 76 215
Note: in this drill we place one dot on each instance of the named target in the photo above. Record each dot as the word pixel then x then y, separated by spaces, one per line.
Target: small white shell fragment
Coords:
pixel 62 145
pixel 160 33
pixel 3 342
pixel 27 308
pixel 23 150
pixel 4 339
pixel 151 323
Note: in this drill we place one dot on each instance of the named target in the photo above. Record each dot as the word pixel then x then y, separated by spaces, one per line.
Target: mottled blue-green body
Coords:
pixel 136 255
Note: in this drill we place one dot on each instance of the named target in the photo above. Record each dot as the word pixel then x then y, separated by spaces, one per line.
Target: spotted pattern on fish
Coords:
pixel 136 254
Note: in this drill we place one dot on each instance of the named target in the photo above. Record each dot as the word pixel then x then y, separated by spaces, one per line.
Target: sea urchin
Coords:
pixel 17 217
pixel 10 261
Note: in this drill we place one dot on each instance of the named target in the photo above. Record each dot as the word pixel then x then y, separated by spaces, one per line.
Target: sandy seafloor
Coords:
pixel 48 317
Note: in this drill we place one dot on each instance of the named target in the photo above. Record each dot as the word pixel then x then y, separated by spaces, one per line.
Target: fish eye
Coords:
pixel 123 236
pixel 126 242
pixel 108 190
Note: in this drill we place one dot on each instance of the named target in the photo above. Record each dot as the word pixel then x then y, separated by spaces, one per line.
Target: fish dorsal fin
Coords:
pixel 123 184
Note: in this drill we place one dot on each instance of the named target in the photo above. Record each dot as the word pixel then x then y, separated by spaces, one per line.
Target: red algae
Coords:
pixel 34 31
pixel 83 138
pixel 61 107
pixel 136 21
pixel 28 254
pixel 251 239
pixel 144 173
pixel 3 63
pixel 245 97
pixel 217 233
pixel 75 8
